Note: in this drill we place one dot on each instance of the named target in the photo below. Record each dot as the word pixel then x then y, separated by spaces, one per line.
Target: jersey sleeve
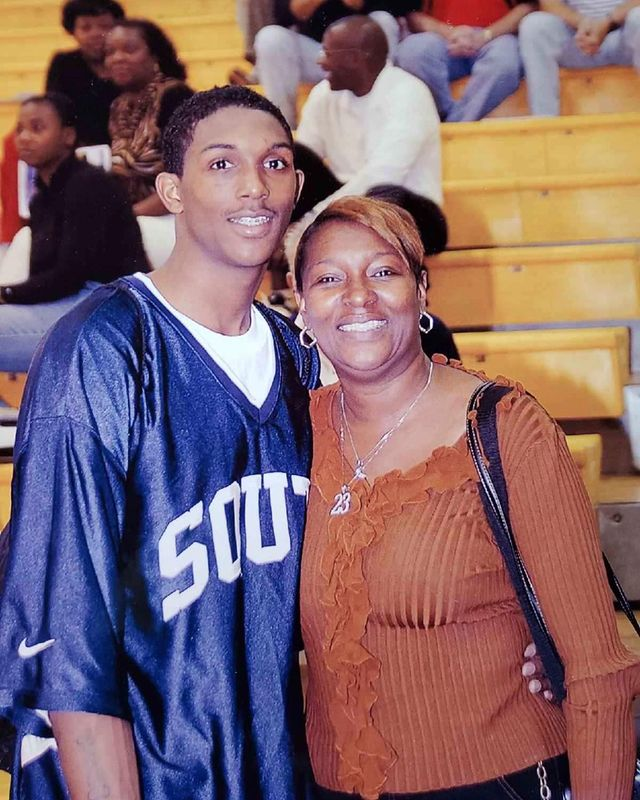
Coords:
pixel 61 612
pixel 555 529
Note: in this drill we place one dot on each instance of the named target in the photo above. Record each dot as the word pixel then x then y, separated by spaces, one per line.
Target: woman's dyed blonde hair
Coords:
pixel 390 222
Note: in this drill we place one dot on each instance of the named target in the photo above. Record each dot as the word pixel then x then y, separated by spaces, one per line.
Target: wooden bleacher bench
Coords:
pixel 5 783
pixel 575 374
pixel 6 471
pixel 12 388
pixel 537 146
pixel 162 10
pixel 523 285
pixel 546 209
pixel 586 450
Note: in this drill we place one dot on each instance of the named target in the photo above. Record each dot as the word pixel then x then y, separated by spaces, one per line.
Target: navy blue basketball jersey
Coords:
pixel 155 546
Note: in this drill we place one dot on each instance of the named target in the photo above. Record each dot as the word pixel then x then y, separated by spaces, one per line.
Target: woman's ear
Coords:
pixel 302 307
pixel 423 282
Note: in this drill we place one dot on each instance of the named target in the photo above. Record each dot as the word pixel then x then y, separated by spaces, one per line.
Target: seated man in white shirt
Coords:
pixel 368 124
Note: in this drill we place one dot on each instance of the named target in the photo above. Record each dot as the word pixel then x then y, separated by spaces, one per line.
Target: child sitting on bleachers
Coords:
pixel 83 231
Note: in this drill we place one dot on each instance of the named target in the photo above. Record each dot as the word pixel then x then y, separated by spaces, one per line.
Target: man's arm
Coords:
pixel 619 13
pixel 562 10
pixel 509 23
pixel 310 131
pixel 467 41
pixel 420 22
pixel 97 755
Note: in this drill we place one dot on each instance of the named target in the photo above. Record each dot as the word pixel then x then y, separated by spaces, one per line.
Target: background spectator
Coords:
pixel 83 231
pixel 579 34
pixel 287 53
pixel 368 123
pixel 143 63
pixel 253 15
pixel 454 39
pixel 81 74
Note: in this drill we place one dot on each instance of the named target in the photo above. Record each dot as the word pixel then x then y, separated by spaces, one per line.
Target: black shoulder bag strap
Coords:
pixel 482 437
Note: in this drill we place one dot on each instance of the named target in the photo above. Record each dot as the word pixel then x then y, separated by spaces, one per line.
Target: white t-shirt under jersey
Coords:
pixel 249 359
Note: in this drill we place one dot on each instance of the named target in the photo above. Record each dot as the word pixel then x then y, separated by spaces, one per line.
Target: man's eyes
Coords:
pixel 220 164
pixel 276 163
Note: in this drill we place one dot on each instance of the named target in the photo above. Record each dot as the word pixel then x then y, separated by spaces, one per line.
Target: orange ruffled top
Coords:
pixel 414 637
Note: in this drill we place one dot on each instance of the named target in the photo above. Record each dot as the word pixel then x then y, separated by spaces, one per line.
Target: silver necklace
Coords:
pixel 342 501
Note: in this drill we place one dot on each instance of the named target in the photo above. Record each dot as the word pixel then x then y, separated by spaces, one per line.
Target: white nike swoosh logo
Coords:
pixel 29 650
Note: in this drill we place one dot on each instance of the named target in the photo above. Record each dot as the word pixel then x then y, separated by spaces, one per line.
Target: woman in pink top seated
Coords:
pixel 403 587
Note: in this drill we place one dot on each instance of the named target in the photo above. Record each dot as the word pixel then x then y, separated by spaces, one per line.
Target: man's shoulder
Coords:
pixel 106 319
pixel 399 90
pixel 87 371
pixel 320 93
pixel 400 78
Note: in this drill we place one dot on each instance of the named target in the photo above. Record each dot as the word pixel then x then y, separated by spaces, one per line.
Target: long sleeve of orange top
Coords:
pixel 554 526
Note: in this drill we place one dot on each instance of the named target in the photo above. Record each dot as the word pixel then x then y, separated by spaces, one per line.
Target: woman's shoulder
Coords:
pixel 521 420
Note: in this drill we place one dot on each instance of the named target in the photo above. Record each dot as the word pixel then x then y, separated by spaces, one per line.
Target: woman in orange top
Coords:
pixel 403 587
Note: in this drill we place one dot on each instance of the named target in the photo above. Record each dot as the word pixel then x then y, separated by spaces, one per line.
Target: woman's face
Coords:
pixel 128 60
pixel 359 296
pixel 90 32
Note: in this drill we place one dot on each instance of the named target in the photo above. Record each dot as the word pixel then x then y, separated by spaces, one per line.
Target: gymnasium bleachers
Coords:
pixel 543 217
pixel 542 212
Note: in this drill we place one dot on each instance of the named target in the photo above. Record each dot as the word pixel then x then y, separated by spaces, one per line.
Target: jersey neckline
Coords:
pixel 262 413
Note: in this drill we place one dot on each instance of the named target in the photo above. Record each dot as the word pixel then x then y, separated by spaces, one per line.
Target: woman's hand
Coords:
pixel 533 671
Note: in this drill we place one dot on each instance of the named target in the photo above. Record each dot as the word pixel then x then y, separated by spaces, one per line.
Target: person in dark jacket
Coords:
pixel 84 232
pixel 80 74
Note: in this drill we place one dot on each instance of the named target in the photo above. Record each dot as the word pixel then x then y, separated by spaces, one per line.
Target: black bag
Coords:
pixel 483 442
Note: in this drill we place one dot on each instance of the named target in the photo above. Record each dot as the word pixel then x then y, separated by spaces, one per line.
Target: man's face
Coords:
pixel 238 187
pixel 90 33
pixel 41 139
pixel 340 60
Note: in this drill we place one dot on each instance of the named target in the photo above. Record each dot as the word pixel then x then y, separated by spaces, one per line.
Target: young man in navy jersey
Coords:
pixel 161 471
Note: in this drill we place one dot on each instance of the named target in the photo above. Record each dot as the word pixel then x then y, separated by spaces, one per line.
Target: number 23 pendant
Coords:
pixel 342 502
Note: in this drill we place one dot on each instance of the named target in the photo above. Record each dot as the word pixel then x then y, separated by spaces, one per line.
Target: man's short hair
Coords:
pixel 178 133
pixel 73 9
pixel 61 104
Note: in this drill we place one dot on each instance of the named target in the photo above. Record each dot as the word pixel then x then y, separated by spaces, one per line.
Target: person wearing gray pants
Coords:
pixel 287 53
pixel 577 34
